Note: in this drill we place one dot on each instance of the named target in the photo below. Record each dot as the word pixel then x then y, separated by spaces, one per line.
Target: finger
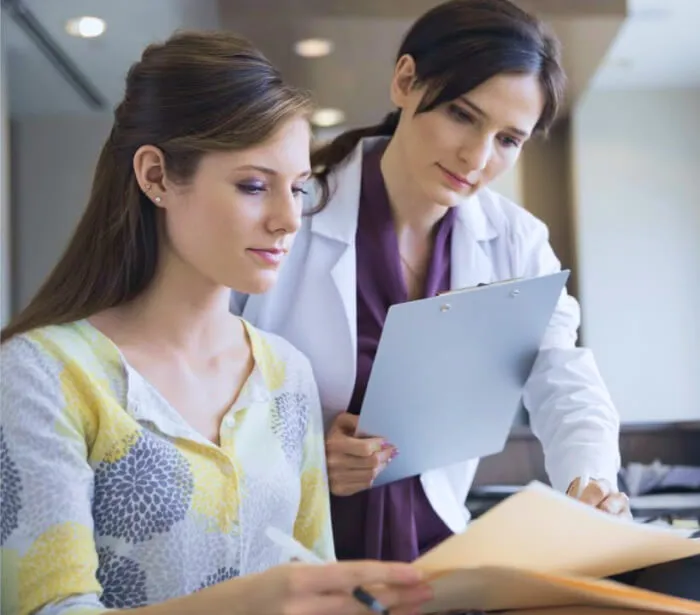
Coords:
pixel 318 604
pixel 595 492
pixel 350 481
pixel 355 447
pixel 347 463
pixel 345 576
pixel 345 423
pixel 353 476
pixel 340 462
pixel 400 602
pixel 347 489
pixel 406 599
pixel 616 504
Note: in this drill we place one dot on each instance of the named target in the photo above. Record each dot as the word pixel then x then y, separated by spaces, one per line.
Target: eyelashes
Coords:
pixel 254 189
pixel 250 189
pixel 462 116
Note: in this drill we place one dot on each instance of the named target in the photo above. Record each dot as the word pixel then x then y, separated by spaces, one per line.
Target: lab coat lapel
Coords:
pixel 471 256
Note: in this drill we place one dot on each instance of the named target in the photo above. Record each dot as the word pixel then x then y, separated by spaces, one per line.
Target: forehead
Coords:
pixel 510 100
pixel 286 151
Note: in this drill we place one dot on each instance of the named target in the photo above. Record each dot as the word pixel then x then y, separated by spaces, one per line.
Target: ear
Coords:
pixel 403 81
pixel 149 169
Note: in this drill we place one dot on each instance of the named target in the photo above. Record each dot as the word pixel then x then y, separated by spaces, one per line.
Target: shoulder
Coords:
pixel 76 346
pixel 45 367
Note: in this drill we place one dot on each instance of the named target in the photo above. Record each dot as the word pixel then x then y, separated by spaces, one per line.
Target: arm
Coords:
pixel 313 524
pixel 570 408
pixel 49 556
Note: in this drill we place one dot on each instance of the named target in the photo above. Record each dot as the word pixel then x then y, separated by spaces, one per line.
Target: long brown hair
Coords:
pixel 198 92
pixel 456 46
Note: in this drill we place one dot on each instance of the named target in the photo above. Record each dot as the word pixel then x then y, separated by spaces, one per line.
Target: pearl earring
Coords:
pixel 157 199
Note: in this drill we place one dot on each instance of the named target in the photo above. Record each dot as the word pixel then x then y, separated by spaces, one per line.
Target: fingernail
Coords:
pixel 614 506
pixel 394 454
pixel 385 445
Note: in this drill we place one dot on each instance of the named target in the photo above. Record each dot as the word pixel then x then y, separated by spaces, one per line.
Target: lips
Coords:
pixel 458 181
pixel 269 256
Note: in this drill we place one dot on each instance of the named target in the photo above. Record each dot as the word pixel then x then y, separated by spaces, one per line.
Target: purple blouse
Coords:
pixel 395 521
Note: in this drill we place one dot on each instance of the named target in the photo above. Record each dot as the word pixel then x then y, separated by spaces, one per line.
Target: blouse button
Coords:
pixel 230 421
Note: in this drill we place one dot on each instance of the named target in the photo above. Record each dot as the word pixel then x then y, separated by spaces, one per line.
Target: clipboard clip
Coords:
pixel 479 285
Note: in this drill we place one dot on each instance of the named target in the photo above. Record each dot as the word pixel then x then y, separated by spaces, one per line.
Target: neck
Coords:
pixel 410 210
pixel 181 311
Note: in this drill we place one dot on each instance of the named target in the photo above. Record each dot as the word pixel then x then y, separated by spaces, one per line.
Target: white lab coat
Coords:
pixel 313 305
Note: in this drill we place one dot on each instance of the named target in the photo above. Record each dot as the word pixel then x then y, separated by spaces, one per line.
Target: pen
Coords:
pixel 295 550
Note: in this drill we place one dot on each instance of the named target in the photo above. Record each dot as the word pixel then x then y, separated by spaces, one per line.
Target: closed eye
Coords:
pixel 508 141
pixel 460 114
pixel 251 188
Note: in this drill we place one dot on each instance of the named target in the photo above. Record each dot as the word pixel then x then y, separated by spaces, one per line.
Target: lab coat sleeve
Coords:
pixel 571 411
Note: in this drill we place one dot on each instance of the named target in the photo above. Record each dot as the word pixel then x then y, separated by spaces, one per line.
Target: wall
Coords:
pixel 547 189
pixel 53 162
pixel 5 222
pixel 636 157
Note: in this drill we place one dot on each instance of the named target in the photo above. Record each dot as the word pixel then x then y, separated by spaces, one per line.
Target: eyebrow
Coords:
pixel 481 113
pixel 271 172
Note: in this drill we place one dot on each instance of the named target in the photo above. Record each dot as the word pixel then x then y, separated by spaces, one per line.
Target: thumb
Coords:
pixel 345 423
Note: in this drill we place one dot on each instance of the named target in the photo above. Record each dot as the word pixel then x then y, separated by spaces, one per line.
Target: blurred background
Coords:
pixel 618 180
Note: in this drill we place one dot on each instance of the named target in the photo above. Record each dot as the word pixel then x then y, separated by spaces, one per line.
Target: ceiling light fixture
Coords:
pixel 324 118
pixel 313 47
pixel 86 27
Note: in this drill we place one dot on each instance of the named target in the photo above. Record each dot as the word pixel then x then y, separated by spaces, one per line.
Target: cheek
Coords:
pixel 437 137
pixel 211 220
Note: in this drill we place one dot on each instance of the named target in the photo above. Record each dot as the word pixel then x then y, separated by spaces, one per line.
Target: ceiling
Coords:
pixel 658 46
pixel 366 34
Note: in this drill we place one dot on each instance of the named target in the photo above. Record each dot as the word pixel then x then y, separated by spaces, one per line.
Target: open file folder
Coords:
pixel 539 548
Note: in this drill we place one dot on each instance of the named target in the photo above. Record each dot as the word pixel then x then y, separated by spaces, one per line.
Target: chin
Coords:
pixel 256 284
pixel 445 197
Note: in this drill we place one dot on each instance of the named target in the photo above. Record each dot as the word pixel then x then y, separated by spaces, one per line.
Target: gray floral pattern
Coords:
pixel 144 493
pixel 11 501
pixel 122 580
pixel 289 423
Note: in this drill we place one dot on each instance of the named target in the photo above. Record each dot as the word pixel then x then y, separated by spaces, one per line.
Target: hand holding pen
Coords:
pixel 340 588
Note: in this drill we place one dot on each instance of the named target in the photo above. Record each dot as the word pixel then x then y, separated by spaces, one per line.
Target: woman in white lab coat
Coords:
pixel 403 210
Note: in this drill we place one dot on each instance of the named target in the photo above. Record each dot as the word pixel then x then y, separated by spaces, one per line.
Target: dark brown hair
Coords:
pixel 198 92
pixel 456 46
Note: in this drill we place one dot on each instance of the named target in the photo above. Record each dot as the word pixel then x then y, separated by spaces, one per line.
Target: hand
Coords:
pixel 354 463
pixel 319 590
pixel 600 494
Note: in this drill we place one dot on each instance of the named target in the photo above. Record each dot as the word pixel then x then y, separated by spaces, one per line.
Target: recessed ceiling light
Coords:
pixel 327 117
pixel 313 47
pixel 86 27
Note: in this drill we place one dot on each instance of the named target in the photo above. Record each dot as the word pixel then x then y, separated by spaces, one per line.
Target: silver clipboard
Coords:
pixel 449 372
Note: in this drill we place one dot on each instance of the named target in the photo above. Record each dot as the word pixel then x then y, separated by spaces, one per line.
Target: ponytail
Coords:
pixel 326 160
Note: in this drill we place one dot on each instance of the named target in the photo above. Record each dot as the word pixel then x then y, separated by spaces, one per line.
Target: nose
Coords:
pixel 286 214
pixel 476 152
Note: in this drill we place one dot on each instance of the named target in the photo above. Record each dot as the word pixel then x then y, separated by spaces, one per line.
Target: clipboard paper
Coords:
pixel 541 549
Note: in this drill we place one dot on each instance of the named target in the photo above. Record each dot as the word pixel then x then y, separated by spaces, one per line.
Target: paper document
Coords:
pixel 540 548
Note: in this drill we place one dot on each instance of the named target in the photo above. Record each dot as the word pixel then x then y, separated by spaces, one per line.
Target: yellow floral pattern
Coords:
pixel 62 557
pixel 309 527
pixel 111 500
